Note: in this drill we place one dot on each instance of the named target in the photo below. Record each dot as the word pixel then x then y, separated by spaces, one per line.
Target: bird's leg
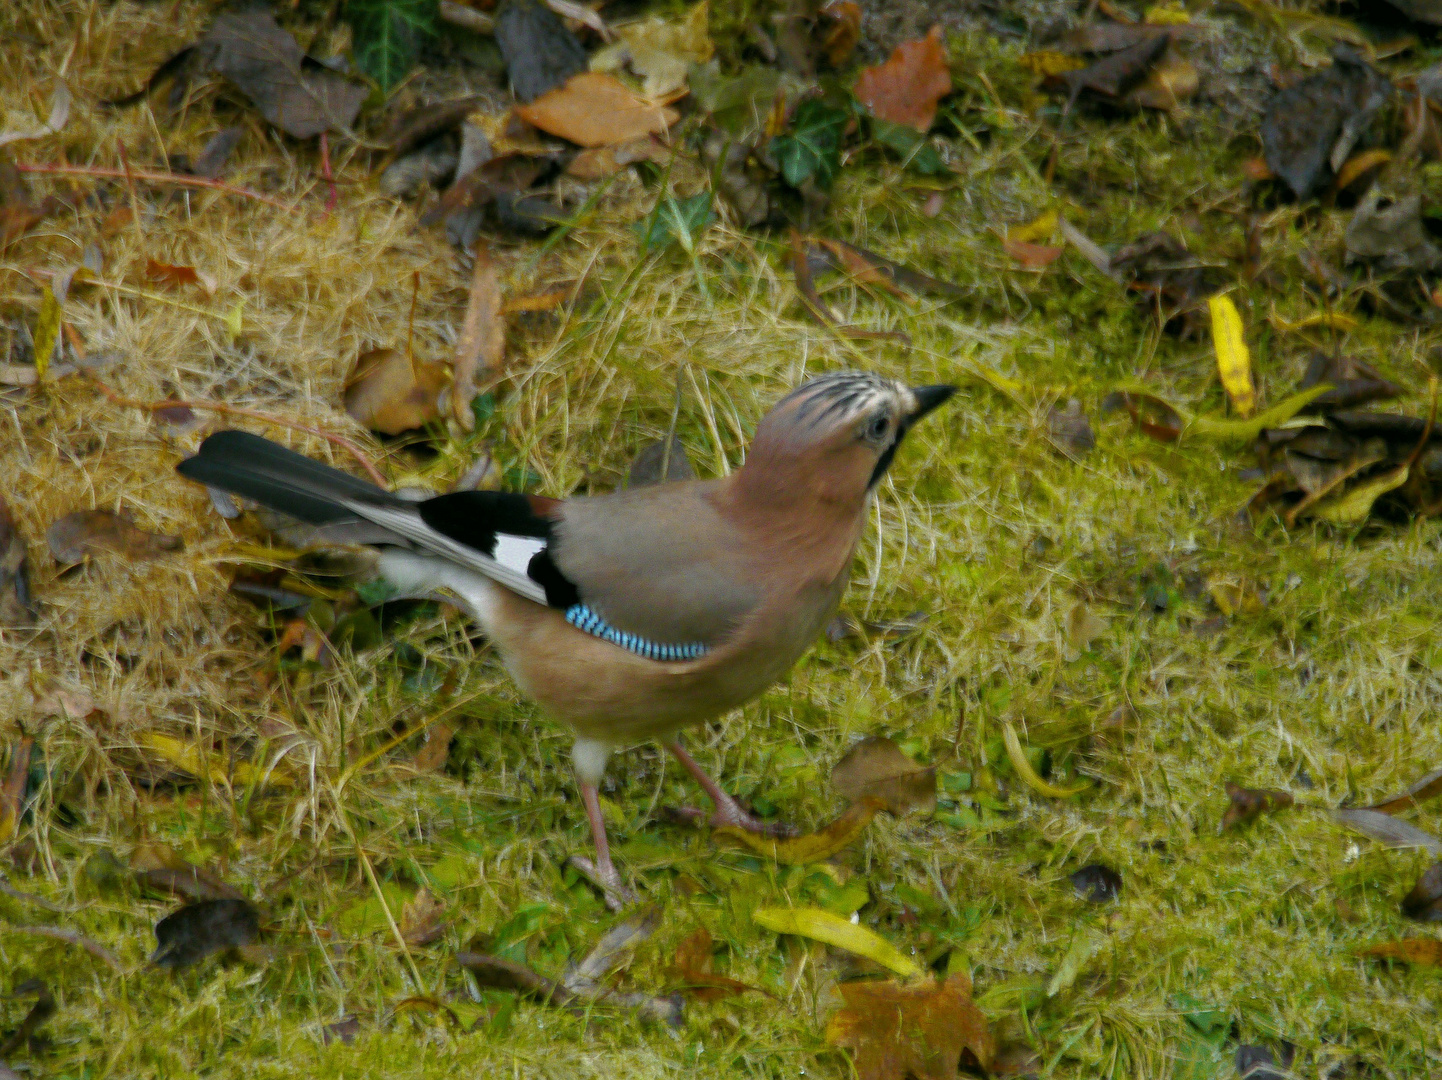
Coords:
pixel 589 760
pixel 728 810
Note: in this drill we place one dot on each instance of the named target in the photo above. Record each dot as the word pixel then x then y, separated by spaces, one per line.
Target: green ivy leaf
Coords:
pixel 915 151
pixel 386 36
pixel 676 220
pixel 812 149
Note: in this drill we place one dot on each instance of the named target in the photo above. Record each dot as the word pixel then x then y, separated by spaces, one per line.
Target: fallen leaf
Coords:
pixel 91 532
pixel 1359 166
pixel 812 302
pixel 595 109
pixel 171 274
pixel 12 792
pixel 896 1031
pixel 660 50
pixel 1042 227
pixel 1031 256
pixel 432 756
pixel 1244 804
pixel 17 605
pixel 1234 361
pixel 192 933
pixel 1424 902
pixel 1425 788
pixel 876 768
pixel 1353 382
pixel 1171 81
pixel 1028 775
pixel 47 331
pixel 268 66
pixel 198 762
pixel 1083 948
pixel 539 51
pixel 210 162
pixel 1411 950
pixel 906 88
pixel 1096 883
pixel 602 161
pixel 1390 234
pixel 1354 505
pixel 18 210
pixel 60 99
pixel 421 923
pixel 1070 430
pixel 813 847
pixel 389 392
pixel 840 30
pixel 481 347
pixel 824 926
pixel 692 966
pixel 1114 75
pixel 1386 829
pixel 162 869
pixel 1083 626
pixel 1049 64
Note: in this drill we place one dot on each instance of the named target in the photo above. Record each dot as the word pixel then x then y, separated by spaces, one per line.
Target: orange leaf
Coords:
pixel 1031 256
pixel 1359 165
pixel 692 966
pixel 896 1031
pixel 595 109
pixel 840 38
pixel 907 87
pixel 1412 950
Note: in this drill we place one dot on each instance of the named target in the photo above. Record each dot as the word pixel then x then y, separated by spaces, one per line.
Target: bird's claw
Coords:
pixel 607 880
pixel 734 817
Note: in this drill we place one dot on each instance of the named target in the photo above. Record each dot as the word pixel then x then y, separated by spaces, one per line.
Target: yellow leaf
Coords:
pixel 1028 774
pixel 832 929
pixel 1333 320
pixel 47 331
pixel 233 320
pixel 1234 362
pixel 1352 507
pixel 197 762
pixel 1249 429
pixel 813 847
pixel 1082 949
pixel 1051 65
pixel 1172 14
pixel 1358 165
pixel 1034 232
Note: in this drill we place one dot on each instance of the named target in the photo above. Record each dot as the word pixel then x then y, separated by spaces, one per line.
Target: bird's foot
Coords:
pixel 731 814
pixel 606 879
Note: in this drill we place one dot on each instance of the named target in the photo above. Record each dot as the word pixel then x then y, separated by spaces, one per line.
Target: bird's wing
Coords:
pixel 660 562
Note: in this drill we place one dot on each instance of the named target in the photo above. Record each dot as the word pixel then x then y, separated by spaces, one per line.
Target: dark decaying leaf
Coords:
pixel 692 967
pixel 1245 804
pixel 660 461
pixel 876 768
pixel 210 162
pixel 191 882
pixel 540 53
pixel 1425 788
pixel 1169 280
pixel 812 302
pixel 1354 382
pixel 1424 902
pixel 1071 430
pixel 267 65
pixel 906 88
pixel 895 1030
pixel 1114 75
pixel 195 931
pixel 386 36
pixel 18 210
pixel 1097 883
pixel 1388 830
pixel 1311 126
pixel 412 127
pixel 1390 235
pixel 1151 414
pixel 864 265
pixel 344 1030
pixel 17 606
pixel 41 1011
pixel 90 532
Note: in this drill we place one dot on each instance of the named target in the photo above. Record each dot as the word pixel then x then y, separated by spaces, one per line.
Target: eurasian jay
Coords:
pixel 632 615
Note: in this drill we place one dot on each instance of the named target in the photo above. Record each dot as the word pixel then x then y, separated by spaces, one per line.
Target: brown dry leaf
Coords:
pixel 1114 75
pixel 171 274
pixel 17 607
pixel 1425 788
pixel 1170 82
pixel 602 161
pixel 546 301
pixel 432 756
pixel 906 88
pixel 421 921
pixel 840 30
pixel 482 344
pixel 595 109
pixel 1411 950
pixel 692 966
pixel 12 792
pixel 1247 803
pixel 813 847
pixel 811 299
pixel 1360 165
pixel 896 1030
pixel 876 768
pixel 267 65
pixel 1031 256
pixel 90 532
pixel 861 269
pixel 389 392
pixel 18 211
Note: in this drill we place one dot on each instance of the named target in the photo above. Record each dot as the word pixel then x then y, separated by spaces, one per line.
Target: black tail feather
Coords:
pixel 256 468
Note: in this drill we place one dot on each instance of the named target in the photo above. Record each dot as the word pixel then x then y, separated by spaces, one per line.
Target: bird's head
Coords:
pixel 838 433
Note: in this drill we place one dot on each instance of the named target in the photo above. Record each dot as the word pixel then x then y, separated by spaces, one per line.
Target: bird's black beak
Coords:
pixel 928 398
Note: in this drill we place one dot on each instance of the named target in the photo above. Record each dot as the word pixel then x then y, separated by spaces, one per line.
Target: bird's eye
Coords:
pixel 878 427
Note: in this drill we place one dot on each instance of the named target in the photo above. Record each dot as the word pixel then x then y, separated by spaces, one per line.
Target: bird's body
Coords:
pixel 629 616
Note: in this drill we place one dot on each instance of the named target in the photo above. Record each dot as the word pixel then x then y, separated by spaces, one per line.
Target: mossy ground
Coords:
pixel 1329 690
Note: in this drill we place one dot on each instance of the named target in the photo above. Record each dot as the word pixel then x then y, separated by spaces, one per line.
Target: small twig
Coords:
pixel 26 898
pixel 239 410
pixel 131 175
pixel 71 937
pixel 332 198
pixel 477 22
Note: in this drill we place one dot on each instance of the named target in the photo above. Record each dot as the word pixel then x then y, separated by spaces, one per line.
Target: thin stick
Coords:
pixel 154 178
pixel 239 410
pixel 70 937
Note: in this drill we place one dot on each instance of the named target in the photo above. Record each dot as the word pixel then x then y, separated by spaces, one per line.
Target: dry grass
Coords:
pixel 1330 691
